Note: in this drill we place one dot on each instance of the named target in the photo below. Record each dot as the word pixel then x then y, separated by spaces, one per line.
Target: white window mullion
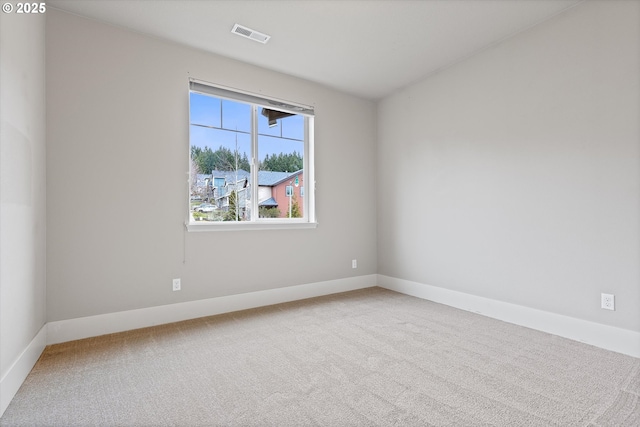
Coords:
pixel 309 174
pixel 254 163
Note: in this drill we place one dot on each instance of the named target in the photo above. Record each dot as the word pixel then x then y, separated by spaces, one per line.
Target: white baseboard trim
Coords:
pixel 17 373
pixel 91 326
pixel 608 337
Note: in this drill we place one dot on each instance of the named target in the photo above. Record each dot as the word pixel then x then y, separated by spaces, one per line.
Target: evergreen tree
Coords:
pixel 295 208
pixel 222 159
pixel 232 213
pixel 282 162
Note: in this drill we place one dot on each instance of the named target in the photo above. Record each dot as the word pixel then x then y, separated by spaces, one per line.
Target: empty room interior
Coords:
pixel 454 241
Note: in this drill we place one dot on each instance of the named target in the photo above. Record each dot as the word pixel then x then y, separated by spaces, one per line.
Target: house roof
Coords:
pixel 274 178
pixel 269 203
pixel 270 178
pixel 265 178
pixel 230 176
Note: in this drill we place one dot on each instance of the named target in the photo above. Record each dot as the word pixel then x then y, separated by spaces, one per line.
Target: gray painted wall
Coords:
pixel 515 175
pixel 22 184
pixel 117 163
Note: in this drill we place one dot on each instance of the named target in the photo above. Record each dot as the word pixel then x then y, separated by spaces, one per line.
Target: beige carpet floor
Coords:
pixel 365 358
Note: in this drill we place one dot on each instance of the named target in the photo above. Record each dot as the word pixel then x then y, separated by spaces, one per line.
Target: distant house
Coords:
pixel 223 183
pixel 281 190
pixel 217 187
pixel 276 190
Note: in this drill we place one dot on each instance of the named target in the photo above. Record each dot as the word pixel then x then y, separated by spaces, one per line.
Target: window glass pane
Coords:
pixel 204 110
pixel 263 124
pixel 293 127
pixel 236 116
pixel 281 175
pixel 220 161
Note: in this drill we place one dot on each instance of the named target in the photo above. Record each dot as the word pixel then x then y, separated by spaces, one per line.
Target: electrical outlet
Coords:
pixel 608 301
pixel 354 263
pixel 176 284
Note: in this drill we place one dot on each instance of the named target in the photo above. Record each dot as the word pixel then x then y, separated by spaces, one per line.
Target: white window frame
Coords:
pixel 256 102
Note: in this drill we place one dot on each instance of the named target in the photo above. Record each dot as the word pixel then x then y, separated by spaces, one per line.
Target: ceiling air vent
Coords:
pixel 250 34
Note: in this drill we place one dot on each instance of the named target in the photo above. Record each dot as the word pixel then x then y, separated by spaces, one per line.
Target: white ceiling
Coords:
pixel 368 48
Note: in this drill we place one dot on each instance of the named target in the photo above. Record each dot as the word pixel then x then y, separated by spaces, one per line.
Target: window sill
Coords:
pixel 243 226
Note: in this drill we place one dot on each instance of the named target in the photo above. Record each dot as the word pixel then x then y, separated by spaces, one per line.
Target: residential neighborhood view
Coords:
pixel 226 195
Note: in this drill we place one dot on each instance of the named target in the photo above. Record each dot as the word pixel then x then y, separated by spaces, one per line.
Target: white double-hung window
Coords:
pixel 251 158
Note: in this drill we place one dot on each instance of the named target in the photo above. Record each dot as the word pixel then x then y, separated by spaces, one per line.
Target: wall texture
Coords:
pixel 117 111
pixel 515 174
pixel 22 188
